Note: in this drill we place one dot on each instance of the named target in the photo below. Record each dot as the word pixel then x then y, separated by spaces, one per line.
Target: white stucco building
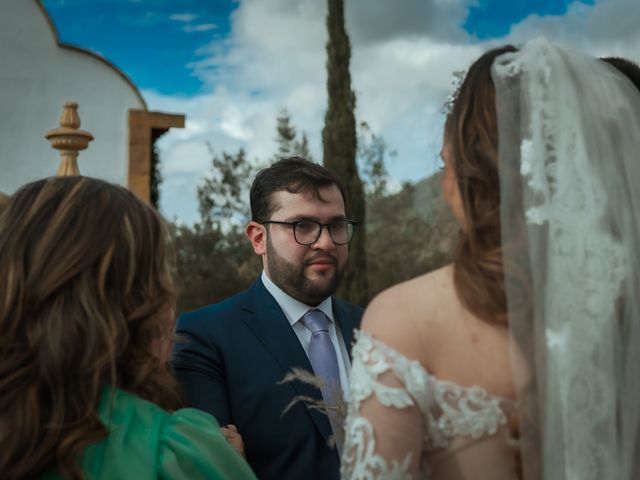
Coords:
pixel 37 75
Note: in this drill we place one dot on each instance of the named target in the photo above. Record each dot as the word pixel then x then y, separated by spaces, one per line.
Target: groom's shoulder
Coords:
pixel 220 312
pixel 350 309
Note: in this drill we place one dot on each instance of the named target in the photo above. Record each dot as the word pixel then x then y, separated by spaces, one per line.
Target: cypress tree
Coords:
pixel 339 147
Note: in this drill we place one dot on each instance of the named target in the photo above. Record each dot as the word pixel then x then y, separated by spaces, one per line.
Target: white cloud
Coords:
pixel 606 28
pixel 202 27
pixel 188 18
pixel 376 21
pixel 183 17
pixel 403 57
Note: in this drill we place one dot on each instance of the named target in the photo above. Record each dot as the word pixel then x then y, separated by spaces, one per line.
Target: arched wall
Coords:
pixel 37 76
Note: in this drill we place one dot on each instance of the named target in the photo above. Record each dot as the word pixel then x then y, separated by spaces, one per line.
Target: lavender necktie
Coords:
pixel 322 355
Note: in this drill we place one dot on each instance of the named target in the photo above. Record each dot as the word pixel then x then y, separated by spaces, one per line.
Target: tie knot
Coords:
pixel 316 321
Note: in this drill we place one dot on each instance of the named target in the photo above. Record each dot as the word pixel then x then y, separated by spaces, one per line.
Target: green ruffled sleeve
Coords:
pixel 193 447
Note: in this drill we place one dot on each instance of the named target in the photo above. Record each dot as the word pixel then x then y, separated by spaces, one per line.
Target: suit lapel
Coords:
pixel 347 321
pixel 270 326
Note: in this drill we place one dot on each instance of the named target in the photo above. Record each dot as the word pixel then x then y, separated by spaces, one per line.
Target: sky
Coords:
pixel 232 65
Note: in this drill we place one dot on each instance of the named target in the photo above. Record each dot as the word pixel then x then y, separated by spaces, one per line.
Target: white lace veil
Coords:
pixel 569 149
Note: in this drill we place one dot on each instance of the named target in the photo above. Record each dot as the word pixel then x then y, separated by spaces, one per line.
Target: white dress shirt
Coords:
pixel 294 310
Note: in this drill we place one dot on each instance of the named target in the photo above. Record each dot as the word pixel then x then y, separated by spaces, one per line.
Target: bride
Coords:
pixel 519 359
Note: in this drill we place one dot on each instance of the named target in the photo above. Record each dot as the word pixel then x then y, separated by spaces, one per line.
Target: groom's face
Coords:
pixel 309 273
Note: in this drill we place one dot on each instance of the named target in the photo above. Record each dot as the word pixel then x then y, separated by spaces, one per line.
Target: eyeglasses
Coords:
pixel 307 232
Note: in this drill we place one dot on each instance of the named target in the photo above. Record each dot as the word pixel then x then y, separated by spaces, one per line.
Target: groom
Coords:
pixel 237 351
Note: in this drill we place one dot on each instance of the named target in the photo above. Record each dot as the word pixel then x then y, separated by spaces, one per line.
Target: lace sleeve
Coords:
pixel 385 427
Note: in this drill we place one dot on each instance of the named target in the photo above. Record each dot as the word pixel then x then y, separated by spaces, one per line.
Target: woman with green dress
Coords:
pixel 86 319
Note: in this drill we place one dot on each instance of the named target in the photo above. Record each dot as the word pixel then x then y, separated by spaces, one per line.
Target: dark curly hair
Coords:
pixel 294 175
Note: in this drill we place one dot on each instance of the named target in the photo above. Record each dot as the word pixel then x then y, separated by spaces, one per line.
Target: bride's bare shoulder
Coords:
pixel 400 313
pixel 417 295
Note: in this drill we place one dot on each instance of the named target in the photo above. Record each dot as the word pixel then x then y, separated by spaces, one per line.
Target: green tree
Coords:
pixel 224 192
pixel 372 153
pixel 156 174
pixel 285 135
pixel 409 231
pixel 214 258
pixel 288 143
pixel 339 147
pixel 301 148
pixel 211 265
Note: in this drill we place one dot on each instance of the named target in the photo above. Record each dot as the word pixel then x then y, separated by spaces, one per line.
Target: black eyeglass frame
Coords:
pixel 294 225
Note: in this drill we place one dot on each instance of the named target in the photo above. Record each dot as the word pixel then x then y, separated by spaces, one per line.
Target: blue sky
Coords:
pixel 154 43
pixel 493 18
pixel 231 65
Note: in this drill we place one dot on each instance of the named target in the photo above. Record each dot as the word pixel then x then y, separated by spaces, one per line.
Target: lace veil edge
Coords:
pixel 569 141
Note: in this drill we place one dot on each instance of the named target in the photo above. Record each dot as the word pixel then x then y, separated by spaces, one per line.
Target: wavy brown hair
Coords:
pixel 85 288
pixel 471 132
pixel 4 199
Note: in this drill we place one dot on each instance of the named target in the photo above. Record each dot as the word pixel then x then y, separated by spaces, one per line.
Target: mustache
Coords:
pixel 324 257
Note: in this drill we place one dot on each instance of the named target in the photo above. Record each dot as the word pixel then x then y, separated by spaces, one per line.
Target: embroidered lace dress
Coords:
pixel 404 423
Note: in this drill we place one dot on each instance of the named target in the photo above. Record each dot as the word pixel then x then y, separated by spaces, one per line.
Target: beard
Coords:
pixel 291 277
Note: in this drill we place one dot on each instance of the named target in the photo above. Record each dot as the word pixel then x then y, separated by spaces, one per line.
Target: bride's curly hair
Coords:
pixel 86 289
pixel 471 133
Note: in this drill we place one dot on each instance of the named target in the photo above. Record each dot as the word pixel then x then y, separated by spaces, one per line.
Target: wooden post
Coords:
pixel 144 128
pixel 69 140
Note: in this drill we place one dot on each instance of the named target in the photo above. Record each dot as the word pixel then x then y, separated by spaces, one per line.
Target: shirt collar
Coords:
pixel 294 309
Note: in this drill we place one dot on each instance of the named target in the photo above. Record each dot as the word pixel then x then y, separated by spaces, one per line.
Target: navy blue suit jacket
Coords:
pixel 235 353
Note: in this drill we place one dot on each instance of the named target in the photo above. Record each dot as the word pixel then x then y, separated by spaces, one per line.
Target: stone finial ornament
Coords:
pixel 69 139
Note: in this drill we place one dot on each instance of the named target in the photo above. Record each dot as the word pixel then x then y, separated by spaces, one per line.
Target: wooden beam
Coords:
pixel 141 125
